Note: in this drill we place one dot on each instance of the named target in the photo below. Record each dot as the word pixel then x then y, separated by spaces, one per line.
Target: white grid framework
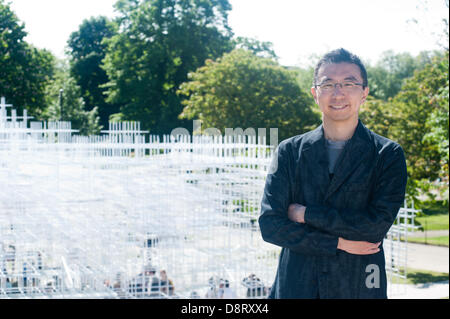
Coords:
pixel 396 249
pixel 101 216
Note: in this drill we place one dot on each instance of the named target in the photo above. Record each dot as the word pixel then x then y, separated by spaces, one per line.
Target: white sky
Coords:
pixel 297 28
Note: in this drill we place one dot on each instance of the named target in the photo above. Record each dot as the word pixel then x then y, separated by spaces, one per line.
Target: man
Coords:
pixel 333 194
pixel 225 291
pixel 166 284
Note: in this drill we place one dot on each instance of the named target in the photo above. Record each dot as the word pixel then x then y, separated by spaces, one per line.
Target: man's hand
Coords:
pixel 358 247
pixel 296 213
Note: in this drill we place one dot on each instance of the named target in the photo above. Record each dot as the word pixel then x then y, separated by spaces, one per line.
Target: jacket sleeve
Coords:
pixel 276 227
pixel 372 223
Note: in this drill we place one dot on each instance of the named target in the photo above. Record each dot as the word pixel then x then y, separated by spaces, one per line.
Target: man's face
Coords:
pixel 339 104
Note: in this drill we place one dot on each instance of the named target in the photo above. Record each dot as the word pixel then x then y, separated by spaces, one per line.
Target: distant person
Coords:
pixel 153 283
pixel 212 292
pixel 255 288
pixel 194 295
pixel 167 286
pixel 145 283
pixel 118 286
pixel 225 292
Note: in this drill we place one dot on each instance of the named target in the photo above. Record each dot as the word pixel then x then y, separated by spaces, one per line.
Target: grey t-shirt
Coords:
pixel 334 149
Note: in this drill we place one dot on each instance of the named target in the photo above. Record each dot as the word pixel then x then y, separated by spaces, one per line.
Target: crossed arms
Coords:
pixel 320 229
pixel 296 213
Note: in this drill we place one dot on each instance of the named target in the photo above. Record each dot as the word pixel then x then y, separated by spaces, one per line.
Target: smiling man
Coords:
pixel 334 194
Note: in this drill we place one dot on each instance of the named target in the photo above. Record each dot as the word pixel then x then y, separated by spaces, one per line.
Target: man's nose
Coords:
pixel 337 91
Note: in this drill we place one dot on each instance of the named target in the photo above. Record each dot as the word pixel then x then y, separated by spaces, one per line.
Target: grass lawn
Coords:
pixel 434 215
pixel 433 222
pixel 439 241
pixel 416 276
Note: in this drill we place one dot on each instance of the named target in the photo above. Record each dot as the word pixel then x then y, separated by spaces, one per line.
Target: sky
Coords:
pixel 298 29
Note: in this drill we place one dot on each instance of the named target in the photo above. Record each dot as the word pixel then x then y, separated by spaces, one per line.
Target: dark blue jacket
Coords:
pixel 360 202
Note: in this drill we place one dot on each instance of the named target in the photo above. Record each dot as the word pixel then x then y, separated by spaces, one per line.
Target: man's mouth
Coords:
pixel 338 107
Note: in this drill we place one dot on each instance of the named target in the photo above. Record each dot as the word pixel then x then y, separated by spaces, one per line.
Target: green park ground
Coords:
pixel 433 222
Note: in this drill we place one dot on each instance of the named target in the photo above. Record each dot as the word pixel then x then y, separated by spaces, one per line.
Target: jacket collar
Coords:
pixel 314 151
pixel 316 138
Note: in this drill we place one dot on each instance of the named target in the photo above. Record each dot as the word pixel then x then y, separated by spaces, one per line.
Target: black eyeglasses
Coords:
pixel 346 86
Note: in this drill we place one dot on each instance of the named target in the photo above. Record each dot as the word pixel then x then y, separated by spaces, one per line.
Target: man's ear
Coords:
pixel 365 95
pixel 314 94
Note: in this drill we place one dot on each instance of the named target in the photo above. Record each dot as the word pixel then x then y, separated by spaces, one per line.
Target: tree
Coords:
pixel 416 101
pixel 417 118
pixel 379 116
pixel 259 48
pixel 241 90
pixel 305 78
pixel 387 76
pixel 87 50
pixel 437 125
pixel 159 43
pixel 73 105
pixel 25 70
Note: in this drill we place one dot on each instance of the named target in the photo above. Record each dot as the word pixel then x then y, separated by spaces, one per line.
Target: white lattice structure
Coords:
pixel 85 216
pixel 396 250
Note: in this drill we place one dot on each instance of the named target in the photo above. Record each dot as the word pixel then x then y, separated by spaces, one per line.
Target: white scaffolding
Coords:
pixel 101 216
pixel 396 249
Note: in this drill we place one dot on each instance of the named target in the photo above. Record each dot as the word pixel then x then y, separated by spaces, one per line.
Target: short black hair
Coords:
pixel 341 56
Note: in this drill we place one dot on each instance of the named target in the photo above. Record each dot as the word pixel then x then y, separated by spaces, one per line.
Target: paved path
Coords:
pixel 424 257
pixel 435 290
pixel 428 257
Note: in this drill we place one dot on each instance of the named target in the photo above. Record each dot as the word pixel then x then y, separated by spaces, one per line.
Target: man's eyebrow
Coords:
pixel 351 78
pixel 348 78
pixel 325 79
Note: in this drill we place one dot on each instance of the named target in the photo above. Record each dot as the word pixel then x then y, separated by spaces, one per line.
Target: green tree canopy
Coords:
pixel 158 44
pixel 416 102
pixel 259 48
pixel 87 50
pixel 417 118
pixel 73 105
pixel 241 90
pixel 388 75
pixel 25 70
pixel 379 116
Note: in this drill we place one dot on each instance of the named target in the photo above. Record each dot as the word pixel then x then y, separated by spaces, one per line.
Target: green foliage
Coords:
pixel 73 106
pixel 419 99
pixel 417 118
pixel 378 116
pixel 433 207
pixel 305 78
pixel 25 70
pixel 246 91
pixel 438 126
pixel 261 49
pixel 87 50
pixel 158 44
pixel 388 75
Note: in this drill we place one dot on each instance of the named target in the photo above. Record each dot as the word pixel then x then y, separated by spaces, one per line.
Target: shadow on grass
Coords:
pixel 430 208
pixel 417 277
